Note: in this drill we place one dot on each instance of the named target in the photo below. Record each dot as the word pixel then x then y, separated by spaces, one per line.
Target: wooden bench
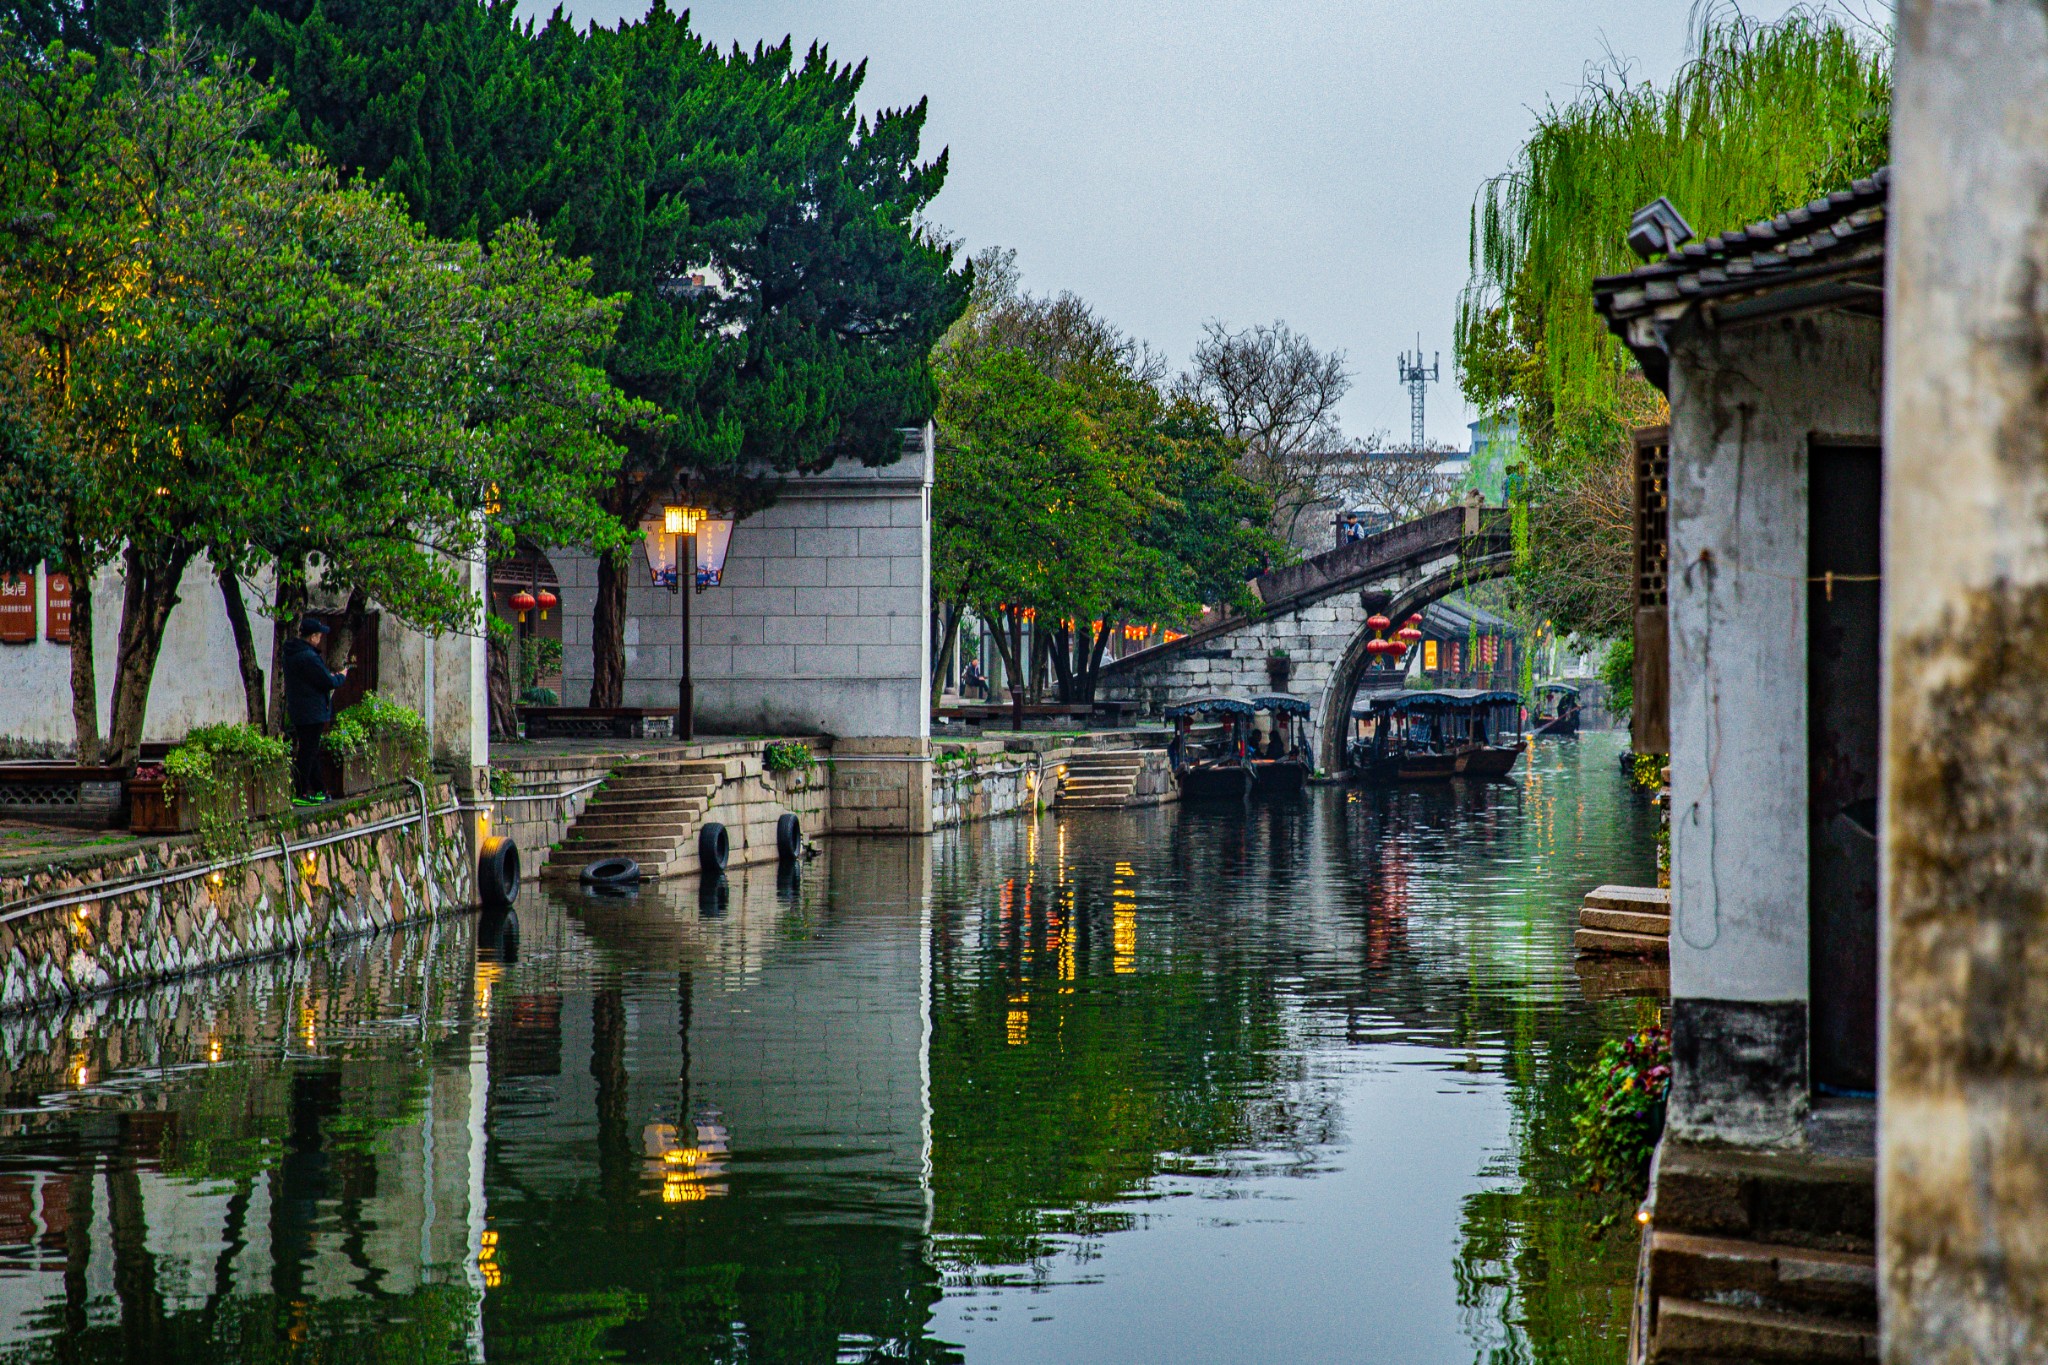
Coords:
pixel 599 722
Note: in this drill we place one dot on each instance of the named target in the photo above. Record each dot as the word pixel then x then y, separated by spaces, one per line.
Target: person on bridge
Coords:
pixel 308 699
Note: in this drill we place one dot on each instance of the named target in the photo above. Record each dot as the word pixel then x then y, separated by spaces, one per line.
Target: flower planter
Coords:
pixel 386 761
pixel 154 809
pixel 1278 670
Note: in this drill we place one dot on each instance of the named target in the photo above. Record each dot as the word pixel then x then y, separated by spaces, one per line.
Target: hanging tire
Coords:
pixel 789 838
pixel 497 872
pixel 611 872
pixel 714 847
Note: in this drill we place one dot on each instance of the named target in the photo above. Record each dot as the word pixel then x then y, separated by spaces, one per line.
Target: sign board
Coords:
pixel 17 608
pixel 57 607
pixel 714 535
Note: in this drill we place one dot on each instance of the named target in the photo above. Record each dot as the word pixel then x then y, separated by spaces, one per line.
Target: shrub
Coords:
pixel 788 756
pixel 209 771
pixel 1621 1106
pixel 374 720
pixel 539 696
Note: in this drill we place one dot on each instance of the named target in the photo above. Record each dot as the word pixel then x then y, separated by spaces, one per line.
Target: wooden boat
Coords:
pixel 1280 765
pixel 1216 768
pixel 1557 710
pixel 1497 730
pixel 1434 735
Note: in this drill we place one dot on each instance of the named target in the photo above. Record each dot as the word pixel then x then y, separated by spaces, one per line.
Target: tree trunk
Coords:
pixel 147 598
pixel 85 686
pixel 504 711
pixel 254 695
pixel 1059 648
pixel 341 641
pixel 608 634
pixel 1092 668
pixel 950 612
pixel 289 601
pixel 1041 645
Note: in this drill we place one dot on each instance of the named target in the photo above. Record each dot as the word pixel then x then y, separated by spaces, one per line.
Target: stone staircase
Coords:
pixel 648 812
pixel 1632 921
pixel 1106 779
pixel 1758 1257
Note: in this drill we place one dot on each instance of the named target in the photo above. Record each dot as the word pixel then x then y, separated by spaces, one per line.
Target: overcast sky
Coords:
pixel 1177 161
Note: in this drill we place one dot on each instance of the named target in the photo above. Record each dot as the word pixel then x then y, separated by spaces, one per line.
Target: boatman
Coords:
pixel 308 699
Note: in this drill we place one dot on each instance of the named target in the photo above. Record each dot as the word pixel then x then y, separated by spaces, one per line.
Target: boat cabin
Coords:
pixel 1260 745
pixel 1557 710
pixel 1427 736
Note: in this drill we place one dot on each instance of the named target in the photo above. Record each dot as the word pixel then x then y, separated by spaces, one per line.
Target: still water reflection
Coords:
pixel 1172 1085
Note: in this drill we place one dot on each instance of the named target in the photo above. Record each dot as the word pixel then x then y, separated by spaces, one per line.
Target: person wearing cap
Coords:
pixel 308 696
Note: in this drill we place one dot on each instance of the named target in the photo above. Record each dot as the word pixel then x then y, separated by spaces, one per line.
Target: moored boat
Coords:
pixel 1434 735
pixel 1557 710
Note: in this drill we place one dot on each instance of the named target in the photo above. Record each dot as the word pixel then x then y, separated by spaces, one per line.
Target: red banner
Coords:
pixel 17 608
pixel 57 607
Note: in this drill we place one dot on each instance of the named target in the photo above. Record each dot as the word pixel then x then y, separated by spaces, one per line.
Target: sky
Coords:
pixel 1177 162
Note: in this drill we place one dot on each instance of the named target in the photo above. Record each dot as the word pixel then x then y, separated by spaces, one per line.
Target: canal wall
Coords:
pixel 104 919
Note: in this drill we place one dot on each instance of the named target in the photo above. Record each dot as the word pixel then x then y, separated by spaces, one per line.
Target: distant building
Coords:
pixel 1494 440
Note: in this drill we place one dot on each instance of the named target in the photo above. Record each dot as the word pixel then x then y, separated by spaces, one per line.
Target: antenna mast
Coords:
pixel 1417 378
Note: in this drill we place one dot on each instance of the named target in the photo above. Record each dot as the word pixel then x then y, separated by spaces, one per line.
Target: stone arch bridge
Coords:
pixel 1316 610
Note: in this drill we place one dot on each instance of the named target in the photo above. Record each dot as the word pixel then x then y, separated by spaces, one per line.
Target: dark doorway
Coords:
pixel 1845 500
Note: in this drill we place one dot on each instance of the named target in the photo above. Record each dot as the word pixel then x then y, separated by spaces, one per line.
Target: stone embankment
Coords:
pixel 111 917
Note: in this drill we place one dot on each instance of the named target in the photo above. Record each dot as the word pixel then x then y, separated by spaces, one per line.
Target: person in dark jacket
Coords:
pixel 308 694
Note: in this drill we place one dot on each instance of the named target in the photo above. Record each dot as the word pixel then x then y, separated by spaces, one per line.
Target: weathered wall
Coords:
pixel 820 622
pixel 881 786
pixel 52 953
pixel 1963 1157
pixel 1744 403
pixel 198 681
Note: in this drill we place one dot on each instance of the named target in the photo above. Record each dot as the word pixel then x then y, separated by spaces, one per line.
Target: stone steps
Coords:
pixel 1626 921
pixel 1101 781
pixel 649 812
pixel 1695 1333
pixel 1759 1256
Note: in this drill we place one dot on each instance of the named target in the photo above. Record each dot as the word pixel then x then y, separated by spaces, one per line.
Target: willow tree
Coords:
pixel 1763 118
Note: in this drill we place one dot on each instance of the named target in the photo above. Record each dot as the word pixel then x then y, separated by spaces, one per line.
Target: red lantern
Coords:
pixel 1378 646
pixel 1377 621
pixel 1399 647
pixel 1416 619
pixel 547 599
pixel 523 602
pixel 1408 633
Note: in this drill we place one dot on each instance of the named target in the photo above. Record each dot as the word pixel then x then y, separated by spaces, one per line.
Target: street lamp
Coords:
pixel 682 522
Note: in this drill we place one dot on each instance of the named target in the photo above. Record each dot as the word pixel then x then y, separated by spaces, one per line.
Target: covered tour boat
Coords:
pixel 1278 752
pixel 1557 710
pixel 1260 749
pixel 1426 736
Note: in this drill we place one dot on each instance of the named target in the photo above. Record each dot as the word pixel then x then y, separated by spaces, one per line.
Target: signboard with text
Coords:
pixel 17 608
pixel 57 607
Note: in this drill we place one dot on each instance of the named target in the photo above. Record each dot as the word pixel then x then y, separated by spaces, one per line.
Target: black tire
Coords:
pixel 789 838
pixel 611 872
pixel 497 872
pixel 714 847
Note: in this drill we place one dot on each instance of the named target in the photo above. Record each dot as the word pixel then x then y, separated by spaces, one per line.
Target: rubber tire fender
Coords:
pixel 714 847
pixel 497 871
pixel 789 838
pixel 611 872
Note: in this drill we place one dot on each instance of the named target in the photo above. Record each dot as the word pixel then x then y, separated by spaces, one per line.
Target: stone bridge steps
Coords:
pixel 1104 780
pixel 649 812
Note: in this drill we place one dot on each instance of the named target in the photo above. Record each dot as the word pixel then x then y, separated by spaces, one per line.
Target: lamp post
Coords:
pixel 681 522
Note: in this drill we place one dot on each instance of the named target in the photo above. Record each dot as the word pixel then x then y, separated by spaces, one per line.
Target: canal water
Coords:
pixel 1286 1083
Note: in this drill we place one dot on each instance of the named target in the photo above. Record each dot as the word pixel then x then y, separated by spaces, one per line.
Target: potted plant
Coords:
pixel 215 782
pixel 1279 668
pixel 372 744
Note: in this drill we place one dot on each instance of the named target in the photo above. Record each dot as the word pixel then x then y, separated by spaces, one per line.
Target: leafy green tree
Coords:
pixel 1764 117
pixel 248 360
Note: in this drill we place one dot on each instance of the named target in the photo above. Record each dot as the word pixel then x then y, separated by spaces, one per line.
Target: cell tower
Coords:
pixel 1417 379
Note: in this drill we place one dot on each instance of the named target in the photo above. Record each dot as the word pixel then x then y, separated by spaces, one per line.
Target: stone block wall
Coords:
pixel 821 622
pixel 54 948
pixel 881 786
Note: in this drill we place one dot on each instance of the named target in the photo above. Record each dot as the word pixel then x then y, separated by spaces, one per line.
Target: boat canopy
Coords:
pixel 1280 704
pixel 1216 705
pixel 1398 702
pixel 1564 688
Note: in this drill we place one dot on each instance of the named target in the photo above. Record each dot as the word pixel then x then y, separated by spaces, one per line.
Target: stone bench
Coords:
pixel 599 722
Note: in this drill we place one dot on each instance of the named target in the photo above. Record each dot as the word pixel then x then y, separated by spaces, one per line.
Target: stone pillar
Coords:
pixel 881 786
pixel 1963 1136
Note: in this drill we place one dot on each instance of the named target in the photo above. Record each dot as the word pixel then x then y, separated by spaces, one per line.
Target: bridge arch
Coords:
pixel 1405 602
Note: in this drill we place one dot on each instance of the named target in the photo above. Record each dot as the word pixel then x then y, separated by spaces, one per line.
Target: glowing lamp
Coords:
pixel 1377 621
pixel 680 521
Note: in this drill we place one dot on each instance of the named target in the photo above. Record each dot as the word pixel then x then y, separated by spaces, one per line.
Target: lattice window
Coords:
pixel 25 795
pixel 1652 513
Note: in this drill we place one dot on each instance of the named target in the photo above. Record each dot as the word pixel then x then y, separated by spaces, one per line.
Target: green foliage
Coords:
pixel 1618 672
pixel 1621 1107
pixel 212 772
pixel 539 657
pixel 540 696
pixel 373 721
pixel 1764 117
pixel 1649 770
pixel 788 757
